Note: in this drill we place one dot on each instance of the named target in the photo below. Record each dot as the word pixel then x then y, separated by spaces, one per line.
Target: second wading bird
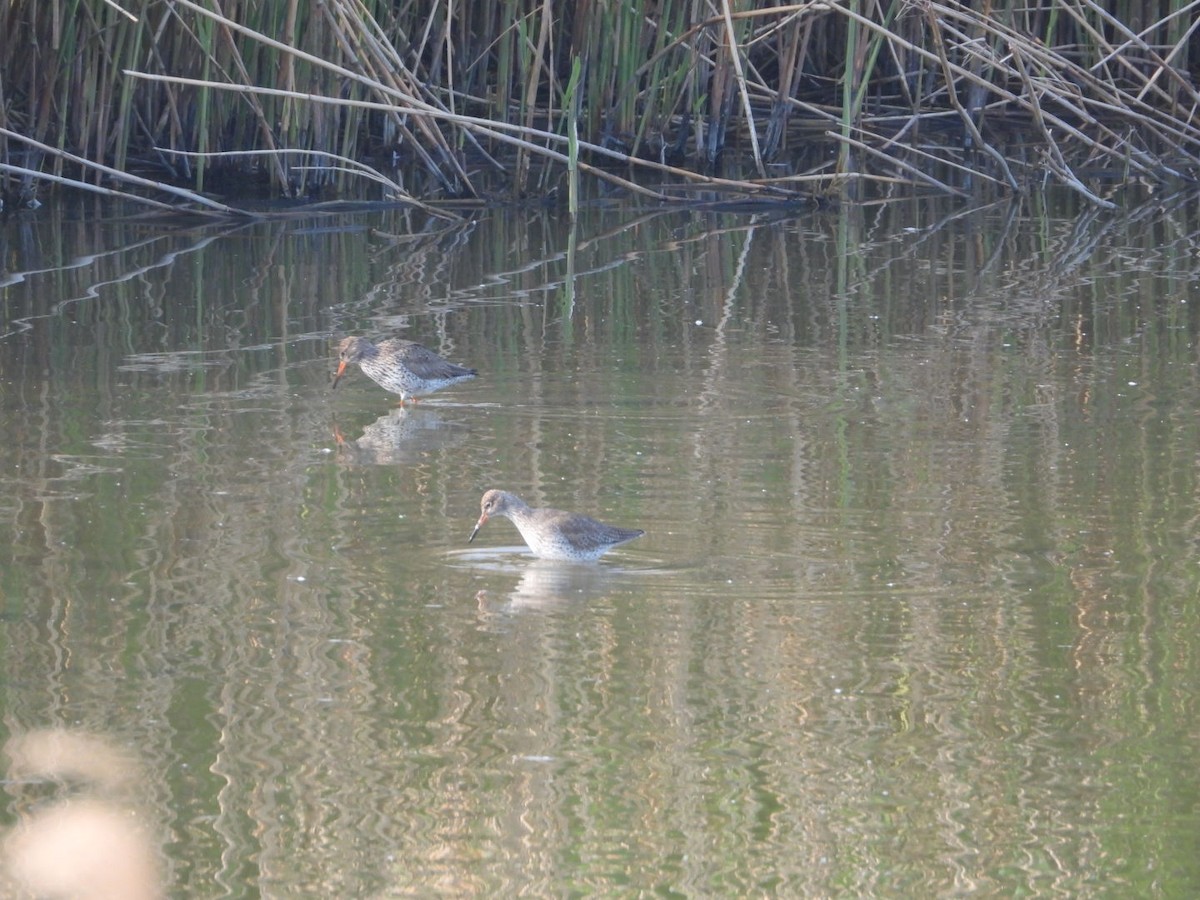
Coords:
pixel 553 533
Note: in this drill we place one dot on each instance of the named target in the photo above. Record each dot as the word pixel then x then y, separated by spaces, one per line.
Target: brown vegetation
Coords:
pixel 742 100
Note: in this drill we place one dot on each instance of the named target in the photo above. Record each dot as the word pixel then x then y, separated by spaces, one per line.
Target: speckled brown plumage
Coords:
pixel 402 367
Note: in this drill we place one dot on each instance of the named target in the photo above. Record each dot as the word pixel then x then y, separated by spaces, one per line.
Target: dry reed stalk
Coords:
pixel 964 116
pixel 499 131
pixel 1106 142
pixel 394 192
pixel 729 47
pixel 362 37
pixel 295 78
pixel 206 203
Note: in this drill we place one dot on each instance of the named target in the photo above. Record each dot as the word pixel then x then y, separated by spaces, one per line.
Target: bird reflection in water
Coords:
pixel 401 435
pixel 546 585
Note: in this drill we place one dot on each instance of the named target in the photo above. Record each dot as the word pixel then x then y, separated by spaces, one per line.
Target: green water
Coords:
pixel 915 613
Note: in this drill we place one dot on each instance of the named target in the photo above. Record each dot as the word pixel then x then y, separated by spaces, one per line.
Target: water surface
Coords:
pixel 914 614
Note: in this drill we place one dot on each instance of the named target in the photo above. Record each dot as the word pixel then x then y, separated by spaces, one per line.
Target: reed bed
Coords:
pixel 678 100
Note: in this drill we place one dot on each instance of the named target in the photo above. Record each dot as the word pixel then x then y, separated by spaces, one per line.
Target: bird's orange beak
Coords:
pixel 474 531
pixel 337 376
